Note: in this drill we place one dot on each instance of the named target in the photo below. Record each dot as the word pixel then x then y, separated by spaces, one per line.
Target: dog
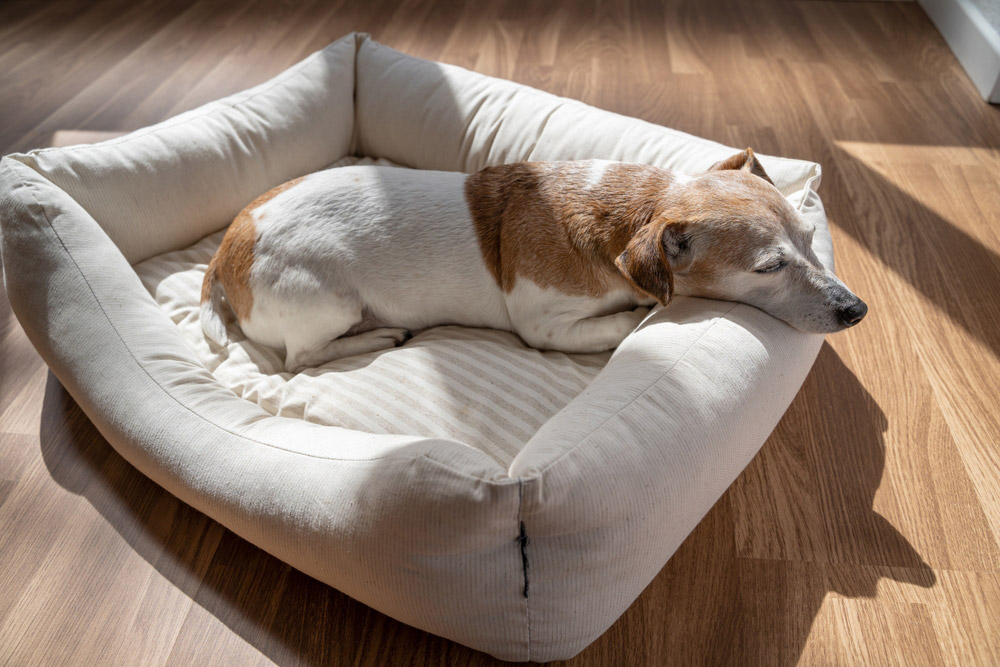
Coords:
pixel 568 255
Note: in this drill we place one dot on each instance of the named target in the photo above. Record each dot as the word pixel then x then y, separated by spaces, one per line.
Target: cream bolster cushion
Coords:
pixel 193 173
pixel 426 530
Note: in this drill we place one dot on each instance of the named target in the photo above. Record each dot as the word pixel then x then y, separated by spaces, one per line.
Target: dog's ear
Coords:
pixel 653 255
pixel 746 161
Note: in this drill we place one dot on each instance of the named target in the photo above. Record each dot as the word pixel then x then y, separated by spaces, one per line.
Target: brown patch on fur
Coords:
pixel 234 258
pixel 542 221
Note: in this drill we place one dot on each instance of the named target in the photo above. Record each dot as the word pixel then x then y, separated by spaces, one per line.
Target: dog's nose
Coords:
pixel 852 314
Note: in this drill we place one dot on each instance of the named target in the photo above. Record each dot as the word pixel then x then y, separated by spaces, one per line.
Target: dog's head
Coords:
pixel 730 234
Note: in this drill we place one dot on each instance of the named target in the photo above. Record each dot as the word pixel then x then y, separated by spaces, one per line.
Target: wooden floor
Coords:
pixel 865 532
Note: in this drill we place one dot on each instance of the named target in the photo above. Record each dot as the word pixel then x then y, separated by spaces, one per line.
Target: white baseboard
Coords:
pixel 972 39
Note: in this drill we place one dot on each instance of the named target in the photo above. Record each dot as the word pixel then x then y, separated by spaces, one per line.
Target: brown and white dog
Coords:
pixel 568 255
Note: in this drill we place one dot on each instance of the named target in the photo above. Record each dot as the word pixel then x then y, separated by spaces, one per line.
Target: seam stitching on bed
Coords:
pixel 354 145
pixel 522 541
pixel 652 384
pixel 163 389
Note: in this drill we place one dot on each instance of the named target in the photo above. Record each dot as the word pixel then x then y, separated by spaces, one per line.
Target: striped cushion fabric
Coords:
pixel 480 387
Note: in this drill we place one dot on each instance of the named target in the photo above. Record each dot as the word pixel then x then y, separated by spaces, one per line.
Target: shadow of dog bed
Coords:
pixel 512 500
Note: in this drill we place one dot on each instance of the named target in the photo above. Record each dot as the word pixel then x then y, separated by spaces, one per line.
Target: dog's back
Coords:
pixel 396 244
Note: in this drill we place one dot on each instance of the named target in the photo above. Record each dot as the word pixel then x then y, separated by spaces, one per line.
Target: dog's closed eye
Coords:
pixel 772 266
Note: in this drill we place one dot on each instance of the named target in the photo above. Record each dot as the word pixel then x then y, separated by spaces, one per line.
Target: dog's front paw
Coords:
pixel 397 335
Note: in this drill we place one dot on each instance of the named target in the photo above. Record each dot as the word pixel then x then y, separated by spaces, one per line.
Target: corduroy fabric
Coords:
pixel 429 530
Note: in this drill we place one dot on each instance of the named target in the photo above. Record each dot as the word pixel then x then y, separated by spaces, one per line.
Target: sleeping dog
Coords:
pixel 568 255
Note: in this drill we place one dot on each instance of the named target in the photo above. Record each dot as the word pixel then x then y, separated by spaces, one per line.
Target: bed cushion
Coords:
pixel 528 551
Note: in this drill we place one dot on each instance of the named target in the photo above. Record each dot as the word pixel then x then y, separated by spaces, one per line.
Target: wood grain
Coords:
pixel 866 530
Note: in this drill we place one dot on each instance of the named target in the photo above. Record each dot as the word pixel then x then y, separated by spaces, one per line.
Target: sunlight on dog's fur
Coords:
pixel 568 255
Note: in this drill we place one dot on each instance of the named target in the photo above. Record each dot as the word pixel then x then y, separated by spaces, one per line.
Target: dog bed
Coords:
pixel 513 500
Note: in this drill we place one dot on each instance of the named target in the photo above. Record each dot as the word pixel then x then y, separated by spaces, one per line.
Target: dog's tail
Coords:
pixel 211 306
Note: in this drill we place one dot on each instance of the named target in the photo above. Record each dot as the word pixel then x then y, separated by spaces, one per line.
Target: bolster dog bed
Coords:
pixel 513 500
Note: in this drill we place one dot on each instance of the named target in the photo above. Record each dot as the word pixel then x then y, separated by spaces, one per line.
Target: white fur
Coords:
pixel 211 316
pixel 680 178
pixel 596 173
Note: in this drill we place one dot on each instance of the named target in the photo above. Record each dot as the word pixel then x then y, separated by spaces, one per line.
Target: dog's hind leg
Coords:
pixel 304 356
pixel 339 327
pixel 316 328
